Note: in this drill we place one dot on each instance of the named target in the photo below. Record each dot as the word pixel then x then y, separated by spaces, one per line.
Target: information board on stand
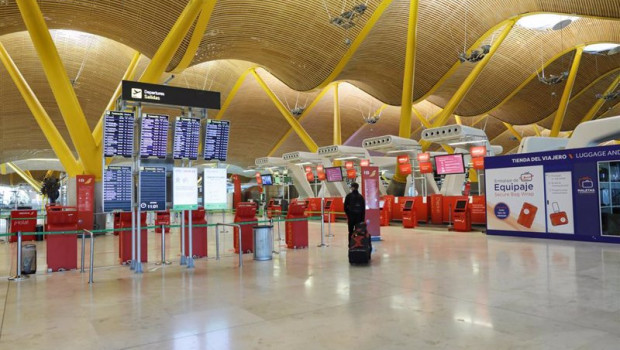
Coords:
pixel 117 183
pixel 184 188
pixel 214 192
pixel 153 188
pixel 118 134
pixel 186 138
pixel 216 140
pixel 154 136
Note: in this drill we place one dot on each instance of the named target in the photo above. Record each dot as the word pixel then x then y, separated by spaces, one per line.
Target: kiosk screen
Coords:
pixel 408 205
pixel 460 205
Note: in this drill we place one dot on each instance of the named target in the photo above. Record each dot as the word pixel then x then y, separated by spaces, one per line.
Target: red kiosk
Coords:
pixel 246 212
pixel 124 239
pixel 274 207
pixel 162 218
pixel 462 216
pixel 386 204
pixel 296 231
pixel 23 221
pixel 410 219
pixel 199 234
pixel 61 248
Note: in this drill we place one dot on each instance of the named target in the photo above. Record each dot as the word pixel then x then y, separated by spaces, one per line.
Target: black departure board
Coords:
pixel 186 138
pixel 154 136
pixel 216 140
pixel 117 183
pixel 118 134
pixel 153 188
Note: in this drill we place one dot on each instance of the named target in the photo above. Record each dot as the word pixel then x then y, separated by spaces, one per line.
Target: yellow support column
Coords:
pixel 197 35
pixel 568 89
pixel 600 102
pixel 300 119
pixel 462 91
pixel 404 129
pixel 536 129
pixel 32 182
pixel 299 130
pixel 458 120
pixel 129 75
pixel 56 141
pixel 337 130
pixel 171 43
pixel 61 86
pixel 233 93
pixel 514 132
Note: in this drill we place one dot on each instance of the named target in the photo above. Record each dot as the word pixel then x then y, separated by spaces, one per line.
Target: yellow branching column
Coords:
pixel 568 89
pixel 337 126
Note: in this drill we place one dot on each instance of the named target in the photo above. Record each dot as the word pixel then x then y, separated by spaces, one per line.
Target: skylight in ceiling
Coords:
pixel 545 21
pixel 595 48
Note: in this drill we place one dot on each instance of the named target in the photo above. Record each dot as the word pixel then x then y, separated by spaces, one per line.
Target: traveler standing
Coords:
pixel 355 208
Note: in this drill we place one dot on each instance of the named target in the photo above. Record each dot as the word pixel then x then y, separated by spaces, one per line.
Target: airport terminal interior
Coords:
pixel 186 174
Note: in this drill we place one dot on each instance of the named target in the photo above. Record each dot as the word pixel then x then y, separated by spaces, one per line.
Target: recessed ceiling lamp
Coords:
pixel 596 48
pixel 546 22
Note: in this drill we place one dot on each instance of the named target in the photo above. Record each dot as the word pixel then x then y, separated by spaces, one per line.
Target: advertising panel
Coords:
pixel 184 188
pixel 579 198
pixel 214 188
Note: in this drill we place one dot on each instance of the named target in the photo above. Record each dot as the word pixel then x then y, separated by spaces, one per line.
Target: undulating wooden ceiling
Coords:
pixel 300 52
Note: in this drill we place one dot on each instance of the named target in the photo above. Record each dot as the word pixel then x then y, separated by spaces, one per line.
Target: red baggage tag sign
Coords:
pixel 478 163
pixel 426 167
pixel 404 165
pixel 351 174
pixel 364 162
pixel 424 157
pixel 478 151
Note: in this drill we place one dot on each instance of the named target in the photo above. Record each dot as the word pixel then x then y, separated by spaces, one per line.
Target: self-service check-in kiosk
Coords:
pixel 199 234
pixel 462 216
pixel 124 238
pixel 274 207
pixel 246 212
pixel 410 219
pixel 328 211
pixel 62 248
pixel 296 227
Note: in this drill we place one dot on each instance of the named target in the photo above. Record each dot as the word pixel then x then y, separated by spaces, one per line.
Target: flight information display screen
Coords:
pixel 118 134
pixel 153 188
pixel 154 136
pixel 216 140
pixel 117 183
pixel 186 138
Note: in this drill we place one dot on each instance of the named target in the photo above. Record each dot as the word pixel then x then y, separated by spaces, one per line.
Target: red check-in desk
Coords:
pixel 410 219
pixel 24 220
pixel 199 234
pixel 124 237
pixel 162 218
pixel 437 209
pixel 297 229
pixel 274 208
pixel 246 212
pixel 386 204
pixel 462 216
pixel 61 248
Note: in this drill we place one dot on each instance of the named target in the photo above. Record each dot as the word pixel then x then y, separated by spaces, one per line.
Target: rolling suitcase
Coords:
pixel 29 259
pixel 360 247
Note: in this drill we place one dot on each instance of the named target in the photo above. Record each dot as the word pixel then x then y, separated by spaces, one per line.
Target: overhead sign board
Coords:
pixel 153 188
pixel 216 140
pixel 117 183
pixel 186 138
pixel 154 136
pixel 170 95
pixel 118 134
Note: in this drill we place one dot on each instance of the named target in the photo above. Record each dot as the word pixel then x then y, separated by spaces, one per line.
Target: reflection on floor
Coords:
pixel 423 289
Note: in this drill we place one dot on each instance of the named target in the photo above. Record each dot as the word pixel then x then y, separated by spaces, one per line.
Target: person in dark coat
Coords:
pixel 355 208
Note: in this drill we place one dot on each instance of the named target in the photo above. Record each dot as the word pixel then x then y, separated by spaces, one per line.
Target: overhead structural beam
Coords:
pixel 129 75
pixel 370 24
pixel 568 89
pixel 337 133
pixel 31 181
pixel 233 93
pixel 56 141
pixel 458 120
pixel 61 86
pixel 301 118
pixel 600 102
pixel 462 91
pixel 536 129
pixel 171 43
pixel 513 131
pixel 199 31
pixel 404 129
pixel 295 125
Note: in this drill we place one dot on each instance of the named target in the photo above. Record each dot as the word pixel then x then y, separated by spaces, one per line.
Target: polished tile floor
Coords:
pixel 425 289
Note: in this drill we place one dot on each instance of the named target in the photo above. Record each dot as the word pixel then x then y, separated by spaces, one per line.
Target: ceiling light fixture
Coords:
pixel 476 55
pixel 546 21
pixel 597 48
pixel 347 19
